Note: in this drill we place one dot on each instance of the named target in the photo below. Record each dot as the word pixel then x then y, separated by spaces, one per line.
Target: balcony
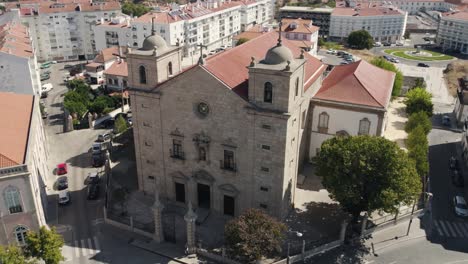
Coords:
pixel 177 154
pixel 227 166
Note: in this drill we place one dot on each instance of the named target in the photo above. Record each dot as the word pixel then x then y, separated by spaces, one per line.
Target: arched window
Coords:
pixel 268 92
pixel 12 200
pixel 20 234
pixel 142 71
pixel 323 122
pixel 364 126
pixel 169 68
pixel 297 86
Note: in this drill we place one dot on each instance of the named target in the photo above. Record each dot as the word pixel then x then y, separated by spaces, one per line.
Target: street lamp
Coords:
pixel 429 196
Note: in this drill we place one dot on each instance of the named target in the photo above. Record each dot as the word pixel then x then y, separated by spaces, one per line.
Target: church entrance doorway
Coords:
pixel 180 192
pixel 204 200
pixel 229 205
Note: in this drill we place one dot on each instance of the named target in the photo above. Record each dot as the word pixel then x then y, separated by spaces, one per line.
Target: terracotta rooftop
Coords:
pixel 28 8
pixel 109 54
pixel 231 66
pixel 359 83
pixel 118 69
pixel 16 112
pixel 14 39
pixel 461 15
pixel 366 11
pixel 298 26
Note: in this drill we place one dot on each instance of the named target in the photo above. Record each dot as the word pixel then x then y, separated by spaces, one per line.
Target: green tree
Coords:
pixel 419 82
pixel 100 103
pixel 366 173
pixel 407 34
pixel 386 65
pixel 418 119
pixel 75 107
pixel 331 3
pixel 254 234
pixel 120 124
pixel 14 255
pixel 418 149
pixel 321 42
pixel 45 244
pixel 137 10
pixel 360 39
pixel 241 41
pixel 418 99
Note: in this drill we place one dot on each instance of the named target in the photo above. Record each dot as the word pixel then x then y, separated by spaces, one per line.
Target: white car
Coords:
pixel 331 51
pixel 460 206
pixel 64 197
pixel 377 44
pixel 394 60
pixel 400 44
pixel 47 87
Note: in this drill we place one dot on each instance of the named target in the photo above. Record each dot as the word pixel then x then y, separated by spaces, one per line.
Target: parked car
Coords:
pixel 47 87
pixel 98 160
pixel 400 44
pixel 96 148
pixel 394 60
pixel 45 65
pixel 44 95
pixel 459 204
pixel 93 191
pixel 457 179
pixel 377 44
pixel 332 51
pixel 344 63
pixel 45 76
pixel 103 137
pixel 387 57
pixel 453 163
pixel 44 114
pixel 387 44
pixel 62 183
pixel 129 121
pixel 68 66
pixel 349 59
pixel 62 169
pixel 64 197
pixel 93 178
pixel 446 120
pixel 425 65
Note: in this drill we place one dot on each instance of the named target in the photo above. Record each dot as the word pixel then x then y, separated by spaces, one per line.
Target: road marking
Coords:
pixel 444 228
pixel 438 228
pixel 457 229
pixel 90 247
pixel 76 244
pixel 83 247
pixel 96 243
pixel 454 234
pixel 67 252
pixel 463 228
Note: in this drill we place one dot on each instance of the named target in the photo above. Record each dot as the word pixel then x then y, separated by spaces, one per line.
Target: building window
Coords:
pixel 268 92
pixel 151 177
pixel 201 154
pixel 176 151
pixel 169 68
pixel 228 163
pixel 297 86
pixel 264 189
pixel 12 199
pixel 263 206
pixel 364 126
pixel 266 126
pixel 323 122
pixel 303 121
pixel 266 147
pixel 20 234
pixel 265 169
pixel 142 71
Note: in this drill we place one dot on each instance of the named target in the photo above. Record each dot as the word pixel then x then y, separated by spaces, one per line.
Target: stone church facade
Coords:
pixel 229 133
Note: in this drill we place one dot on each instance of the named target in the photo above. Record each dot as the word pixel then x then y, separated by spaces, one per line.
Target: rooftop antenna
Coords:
pixel 153 30
pixel 279 37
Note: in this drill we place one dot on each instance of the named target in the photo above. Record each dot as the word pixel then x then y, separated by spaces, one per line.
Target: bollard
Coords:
pixel 373 250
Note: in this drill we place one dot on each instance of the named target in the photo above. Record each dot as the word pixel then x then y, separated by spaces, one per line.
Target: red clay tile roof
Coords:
pixel 16 112
pixel 6 162
pixel 358 83
pixel 302 26
pixel 366 11
pixel 462 15
pixel 231 66
pixel 14 39
pixel 118 69
pixel 109 54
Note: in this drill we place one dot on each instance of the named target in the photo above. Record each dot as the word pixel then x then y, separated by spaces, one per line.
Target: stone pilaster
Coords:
pixel 190 219
pixel 157 211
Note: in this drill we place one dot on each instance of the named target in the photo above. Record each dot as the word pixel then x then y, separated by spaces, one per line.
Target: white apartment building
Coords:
pixel 452 33
pixel 410 6
pixel 63 30
pixel 385 24
pixel 110 33
pixel 23 167
pixel 17 55
pixel 211 23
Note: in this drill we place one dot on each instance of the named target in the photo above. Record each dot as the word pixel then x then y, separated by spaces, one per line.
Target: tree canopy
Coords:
pixel 45 244
pixel 120 124
pixel 366 173
pixel 13 255
pixel 418 119
pixel 133 9
pixel 418 149
pixel 417 100
pixel 241 41
pixel 360 39
pixel 254 234
pixel 386 65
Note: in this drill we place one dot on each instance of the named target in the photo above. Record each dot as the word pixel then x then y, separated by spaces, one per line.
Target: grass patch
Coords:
pixel 401 53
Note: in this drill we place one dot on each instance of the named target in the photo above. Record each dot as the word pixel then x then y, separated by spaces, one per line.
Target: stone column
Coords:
pixel 190 219
pixel 344 225
pixel 90 120
pixel 157 212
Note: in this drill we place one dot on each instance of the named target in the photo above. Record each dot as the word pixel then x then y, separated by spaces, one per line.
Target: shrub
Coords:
pixel 417 100
pixel 418 119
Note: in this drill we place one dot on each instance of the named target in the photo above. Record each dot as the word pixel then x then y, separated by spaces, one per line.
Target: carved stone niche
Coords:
pixel 202 144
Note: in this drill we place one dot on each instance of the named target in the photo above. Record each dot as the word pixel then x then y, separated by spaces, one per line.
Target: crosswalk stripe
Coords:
pixel 462 229
pixel 465 228
pixel 458 231
pixel 83 247
pixel 96 243
pixel 438 228
pixel 90 248
pixel 444 228
pixel 454 234
pixel 76 244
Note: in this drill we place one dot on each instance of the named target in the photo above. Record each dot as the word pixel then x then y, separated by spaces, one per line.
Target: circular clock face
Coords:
pixel 203 109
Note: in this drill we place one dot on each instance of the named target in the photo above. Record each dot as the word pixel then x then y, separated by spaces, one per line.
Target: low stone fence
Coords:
pixel 310 253
pixel 125 223
pixel 218 258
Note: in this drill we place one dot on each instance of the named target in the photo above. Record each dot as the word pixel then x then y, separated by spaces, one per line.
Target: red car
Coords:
pixel 62 169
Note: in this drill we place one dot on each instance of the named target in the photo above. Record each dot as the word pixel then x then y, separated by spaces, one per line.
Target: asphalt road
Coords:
pixel 81 223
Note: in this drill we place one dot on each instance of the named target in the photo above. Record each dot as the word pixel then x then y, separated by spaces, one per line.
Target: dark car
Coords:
pixel 104 137
pixel 98 160
pixel 425 65
pixel 93 191
pixel 387 44
pixel 107 123
pixel 44 95
pixel 457 179
pixel 446 120
pixel 68 66
pixel 62 183
pixel 387 57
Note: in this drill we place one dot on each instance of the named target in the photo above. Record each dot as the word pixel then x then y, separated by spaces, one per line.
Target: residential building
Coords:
pixel 461 103
pixel 116 76
pixel 320 16
pixel 353 100
pixel 211 23
pixel 385 24
pixel 63 30
pixel 103 61
pixel 23 166
pixel 410 6
pixel 113 33
pixel 452 33
pixel 17 55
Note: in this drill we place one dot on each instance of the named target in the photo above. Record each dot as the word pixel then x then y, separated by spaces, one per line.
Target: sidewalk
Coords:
pixel 390 236
pixel 168 250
